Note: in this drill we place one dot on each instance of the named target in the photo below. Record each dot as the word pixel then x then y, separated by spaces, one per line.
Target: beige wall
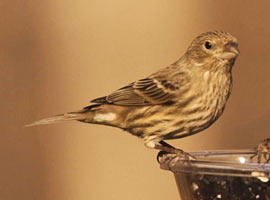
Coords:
pixel 57 55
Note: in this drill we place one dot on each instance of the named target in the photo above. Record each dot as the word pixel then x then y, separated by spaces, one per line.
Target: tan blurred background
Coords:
pixel 57 55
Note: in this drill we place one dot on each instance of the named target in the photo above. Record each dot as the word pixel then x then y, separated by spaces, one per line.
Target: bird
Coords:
pixel 176 101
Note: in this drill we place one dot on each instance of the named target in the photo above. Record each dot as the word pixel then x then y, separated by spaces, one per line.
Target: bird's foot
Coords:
pixel 185 155
pixel 172 152
pixel 262 151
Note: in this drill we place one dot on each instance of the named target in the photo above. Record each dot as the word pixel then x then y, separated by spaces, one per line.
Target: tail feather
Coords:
pixel 58 118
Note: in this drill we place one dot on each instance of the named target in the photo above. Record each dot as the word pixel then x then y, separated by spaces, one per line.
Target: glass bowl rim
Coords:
pixel 218 162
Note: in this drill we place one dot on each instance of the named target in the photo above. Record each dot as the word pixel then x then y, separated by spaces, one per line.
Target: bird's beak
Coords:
pixel 230 51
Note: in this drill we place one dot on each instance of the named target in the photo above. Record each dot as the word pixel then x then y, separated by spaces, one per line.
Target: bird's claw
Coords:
pixel 178 153
pixel 182 154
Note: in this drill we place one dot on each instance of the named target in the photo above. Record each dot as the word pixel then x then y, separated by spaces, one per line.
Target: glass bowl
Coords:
pixel 216 175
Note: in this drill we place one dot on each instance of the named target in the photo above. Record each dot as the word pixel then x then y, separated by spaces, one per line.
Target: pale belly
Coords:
pixel 171 122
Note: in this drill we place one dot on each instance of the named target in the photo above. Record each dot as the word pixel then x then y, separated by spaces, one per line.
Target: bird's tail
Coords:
pixel 59 118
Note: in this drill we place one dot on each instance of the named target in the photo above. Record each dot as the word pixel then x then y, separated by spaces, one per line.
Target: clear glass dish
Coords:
pixel 214 175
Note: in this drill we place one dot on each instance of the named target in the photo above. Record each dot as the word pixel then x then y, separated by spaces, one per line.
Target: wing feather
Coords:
pixel 146 91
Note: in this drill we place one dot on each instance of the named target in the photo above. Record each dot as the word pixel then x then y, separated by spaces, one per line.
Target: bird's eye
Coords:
pixel 208 45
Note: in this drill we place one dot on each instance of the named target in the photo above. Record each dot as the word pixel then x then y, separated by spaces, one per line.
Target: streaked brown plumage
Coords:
pixel 177 101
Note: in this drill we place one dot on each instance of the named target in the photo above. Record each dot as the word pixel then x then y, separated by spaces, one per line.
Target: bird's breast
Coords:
pixel 215 92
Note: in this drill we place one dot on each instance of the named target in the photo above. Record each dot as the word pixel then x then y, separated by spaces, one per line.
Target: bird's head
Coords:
pixel 213 46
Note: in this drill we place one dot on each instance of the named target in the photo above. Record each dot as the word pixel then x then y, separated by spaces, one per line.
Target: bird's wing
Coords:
pixel 148 91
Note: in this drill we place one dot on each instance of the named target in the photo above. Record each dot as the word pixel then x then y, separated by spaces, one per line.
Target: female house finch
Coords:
pixel 177 101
